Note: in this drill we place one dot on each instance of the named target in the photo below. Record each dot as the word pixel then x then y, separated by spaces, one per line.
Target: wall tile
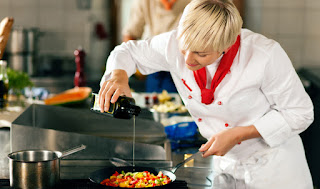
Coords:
pixel 253 19
pixel 294 48
pixel 74 40
pixel 311 53
pixel 51 4
pixel 24 3
pixel 69 5
pixel 4 4
pixel 270 21
pixel 75 20
pixel 295 24
pixel 4 9
pixel 291 4
pixel 312 23
pixel 271 36
pixel 53 43
pixel 52 19
pixel 25 16
pixel 291 21
pixel 313 4
pixel 253 3
pixel 270 3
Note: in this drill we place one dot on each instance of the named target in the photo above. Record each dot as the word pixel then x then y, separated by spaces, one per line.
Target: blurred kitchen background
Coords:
pixel 46 34
pixel 57 28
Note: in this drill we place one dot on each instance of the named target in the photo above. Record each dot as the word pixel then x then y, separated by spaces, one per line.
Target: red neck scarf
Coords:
pixel 207 95
pixel 168 4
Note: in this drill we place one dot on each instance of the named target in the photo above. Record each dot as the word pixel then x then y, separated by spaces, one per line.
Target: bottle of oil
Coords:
pixel 4 84
pixel 123 108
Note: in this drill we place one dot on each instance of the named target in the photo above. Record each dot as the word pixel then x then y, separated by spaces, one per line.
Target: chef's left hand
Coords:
pixel 219 144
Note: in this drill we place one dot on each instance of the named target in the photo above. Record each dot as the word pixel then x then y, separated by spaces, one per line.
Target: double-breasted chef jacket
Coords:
pixel 262 89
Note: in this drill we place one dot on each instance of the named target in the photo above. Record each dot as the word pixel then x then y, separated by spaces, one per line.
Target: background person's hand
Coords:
pixel 117 85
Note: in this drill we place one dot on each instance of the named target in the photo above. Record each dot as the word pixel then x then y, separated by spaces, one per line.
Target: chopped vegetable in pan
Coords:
pixel 143 179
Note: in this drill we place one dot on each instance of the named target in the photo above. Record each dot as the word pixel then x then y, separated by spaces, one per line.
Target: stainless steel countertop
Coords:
pixel 198 173
pixel 195 173
pixel 4 150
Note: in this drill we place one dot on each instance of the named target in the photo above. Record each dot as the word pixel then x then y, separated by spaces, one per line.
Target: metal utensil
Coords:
pixel 119 162
pixel 174 169
pixel 73 150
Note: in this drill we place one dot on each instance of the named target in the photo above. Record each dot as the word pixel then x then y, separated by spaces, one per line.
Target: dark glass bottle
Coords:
pixel 123 108
pixel 4 84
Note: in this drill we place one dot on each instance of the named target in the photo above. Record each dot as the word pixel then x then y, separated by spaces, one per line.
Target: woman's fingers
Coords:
pixel 110 92
pixel 118 92
pixel 128 93
pixel 102 93
pixel 105 95
pixel 205 148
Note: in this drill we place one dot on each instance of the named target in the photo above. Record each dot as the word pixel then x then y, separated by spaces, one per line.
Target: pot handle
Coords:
pixel 73 150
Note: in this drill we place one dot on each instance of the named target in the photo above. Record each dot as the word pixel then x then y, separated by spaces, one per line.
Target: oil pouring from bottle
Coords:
pixel 123 108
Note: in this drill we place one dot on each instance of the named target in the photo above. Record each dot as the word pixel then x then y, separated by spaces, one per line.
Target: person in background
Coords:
pixel 239 86
pixel 149 18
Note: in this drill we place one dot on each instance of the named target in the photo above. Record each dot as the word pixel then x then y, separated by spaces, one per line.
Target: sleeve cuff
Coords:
pixel 122 64
pixel 273 128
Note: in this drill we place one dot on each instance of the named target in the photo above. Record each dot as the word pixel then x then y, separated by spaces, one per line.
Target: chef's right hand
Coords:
pixel 117 85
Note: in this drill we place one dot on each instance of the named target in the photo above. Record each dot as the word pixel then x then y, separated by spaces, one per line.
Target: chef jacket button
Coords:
pixel 219 103
pixel 227 125
pixel 190 97
pixel 199 119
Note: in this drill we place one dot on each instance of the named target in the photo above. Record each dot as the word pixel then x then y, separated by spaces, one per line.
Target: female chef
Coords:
pixel 240 87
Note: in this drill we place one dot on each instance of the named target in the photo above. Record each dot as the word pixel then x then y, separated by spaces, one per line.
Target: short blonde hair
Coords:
pixel 209 25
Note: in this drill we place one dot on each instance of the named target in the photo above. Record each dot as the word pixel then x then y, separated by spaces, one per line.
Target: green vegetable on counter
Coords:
pixel 18 80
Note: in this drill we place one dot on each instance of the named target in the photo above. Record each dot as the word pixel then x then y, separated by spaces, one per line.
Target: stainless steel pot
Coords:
pixel 36 169
pixel 23 49
pixel 23 40
pixel 22 62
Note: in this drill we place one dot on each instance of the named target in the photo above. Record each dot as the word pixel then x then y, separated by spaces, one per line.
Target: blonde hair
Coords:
pixel 209 25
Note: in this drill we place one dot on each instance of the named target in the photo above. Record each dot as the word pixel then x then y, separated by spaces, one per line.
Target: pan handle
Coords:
pixel 174 169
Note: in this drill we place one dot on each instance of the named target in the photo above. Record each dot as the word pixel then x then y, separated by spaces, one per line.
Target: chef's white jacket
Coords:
pixel 261 89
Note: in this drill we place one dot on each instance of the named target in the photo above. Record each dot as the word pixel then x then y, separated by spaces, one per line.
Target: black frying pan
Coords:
pixel 99 175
